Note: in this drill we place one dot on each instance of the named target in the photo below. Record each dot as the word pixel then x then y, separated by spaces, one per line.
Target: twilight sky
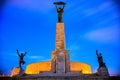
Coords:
pixel 29 25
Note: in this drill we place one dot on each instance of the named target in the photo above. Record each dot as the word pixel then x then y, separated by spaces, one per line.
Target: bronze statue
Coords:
pixel 21 56
pixel 100 59
pixel 60 10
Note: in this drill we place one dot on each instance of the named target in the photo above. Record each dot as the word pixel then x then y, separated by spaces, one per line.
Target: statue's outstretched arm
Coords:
pixel 97 52
pixel 17 52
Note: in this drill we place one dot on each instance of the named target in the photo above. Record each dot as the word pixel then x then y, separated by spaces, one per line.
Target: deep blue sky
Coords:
pixel 29 25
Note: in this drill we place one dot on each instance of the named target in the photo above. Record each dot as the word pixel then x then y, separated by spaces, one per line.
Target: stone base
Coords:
pixel 60 61
pixel 17 72
pixel 85 77
pixel 103 71
pixel 77 73
pixel 67 76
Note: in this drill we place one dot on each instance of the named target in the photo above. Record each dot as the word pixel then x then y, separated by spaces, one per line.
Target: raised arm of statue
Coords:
pixel 17 52
pixel 97 53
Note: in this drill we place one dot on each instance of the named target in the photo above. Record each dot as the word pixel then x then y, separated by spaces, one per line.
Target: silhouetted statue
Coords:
pixel 60 10
pixel 100 59
pixel 21 56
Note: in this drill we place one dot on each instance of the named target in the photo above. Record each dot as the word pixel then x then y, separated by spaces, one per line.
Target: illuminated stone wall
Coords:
pixel 15 71
pixel 38 67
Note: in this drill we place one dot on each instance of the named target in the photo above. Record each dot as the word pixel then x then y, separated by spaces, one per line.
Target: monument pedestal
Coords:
pixel 60 61
pixel 102 71
pixel 17 72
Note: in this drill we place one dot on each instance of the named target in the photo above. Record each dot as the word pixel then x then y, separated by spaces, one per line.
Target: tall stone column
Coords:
pixel 60 56
pixel 60 36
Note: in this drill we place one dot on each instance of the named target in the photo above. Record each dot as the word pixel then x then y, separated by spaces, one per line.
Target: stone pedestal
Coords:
pixel 60 61
pixel 102 71
pixel 17 72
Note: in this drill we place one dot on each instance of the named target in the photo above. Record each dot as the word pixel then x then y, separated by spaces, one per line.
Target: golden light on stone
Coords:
pixel 78 66
pixel 38 67
pixel 15 71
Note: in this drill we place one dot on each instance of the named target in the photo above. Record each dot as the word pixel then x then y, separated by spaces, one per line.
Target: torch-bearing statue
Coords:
pixel 60 9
